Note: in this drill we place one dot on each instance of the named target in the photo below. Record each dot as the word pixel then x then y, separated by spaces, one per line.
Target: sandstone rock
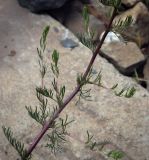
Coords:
pixel 145 51
pixel 139 31
pixel 120 121
pixel 125 56
pixel 101 9
pixel 129 3
pixel 41 5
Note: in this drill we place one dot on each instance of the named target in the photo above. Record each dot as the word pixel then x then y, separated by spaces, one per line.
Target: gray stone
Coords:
pixel 41 5
pixel 101 9
pixel 126 57
pixel 139 30
pixel 69 43
pixel 122 122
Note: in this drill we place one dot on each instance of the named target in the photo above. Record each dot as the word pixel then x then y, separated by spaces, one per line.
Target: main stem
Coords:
pixel 72 95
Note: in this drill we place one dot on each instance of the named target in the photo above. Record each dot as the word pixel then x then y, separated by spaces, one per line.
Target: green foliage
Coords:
pixel 59 93
pixel 87 38
pixel 126 92
pixel 54 64
pixel 86 18
pixel 122 25
pixel 81 80
pixel 84 94
pixel 41 50
pixel 116 155
pixel 47 116
pixel 93 145
pixel 130 92
pixel 96 80
pixel 19 147
pixel 45 92
pixel 89 142
pixel 44 38
pixel 91 78
pixel 42 113
pixel 57 136
pixel 113 3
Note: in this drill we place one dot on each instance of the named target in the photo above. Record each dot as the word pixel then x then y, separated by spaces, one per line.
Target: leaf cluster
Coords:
pixel 121 25
pixel 18 146
pixel 89 142
pixel 41 50
pixel 56 93
pixel 54 64
pixel 87 38
pixel 127 92
pixel 40 114
pixel 92 78
pixel 93 145
pixel 43 113
pixel 113 3
pixel 116 155
pixel 57 137
pixel 59 93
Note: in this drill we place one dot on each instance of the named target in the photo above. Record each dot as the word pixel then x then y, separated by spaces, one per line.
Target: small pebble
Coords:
pixel 69 43
pixel 111 37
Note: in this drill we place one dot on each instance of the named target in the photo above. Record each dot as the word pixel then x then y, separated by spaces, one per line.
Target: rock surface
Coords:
pixel 122 122
pixel 125 56
pixel 41 5
pixel 74 20
pixel 75 24
pixel 139 31
pixel 129 3
pixel 146 74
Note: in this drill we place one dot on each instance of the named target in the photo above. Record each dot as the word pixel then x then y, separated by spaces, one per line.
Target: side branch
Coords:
pixel 50 122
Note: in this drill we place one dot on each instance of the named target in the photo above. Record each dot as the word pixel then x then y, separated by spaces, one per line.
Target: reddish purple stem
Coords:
pixel 72 95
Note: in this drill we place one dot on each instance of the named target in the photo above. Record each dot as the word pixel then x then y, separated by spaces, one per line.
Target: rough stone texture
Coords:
pixel 104 10
pixel 129 3
pixel 139 31
pixel 41 5
pixel 123 122
pixel 146 74
pixel 125 56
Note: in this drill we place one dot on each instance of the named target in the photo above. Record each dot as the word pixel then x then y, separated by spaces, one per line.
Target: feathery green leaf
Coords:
pixel 15 143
